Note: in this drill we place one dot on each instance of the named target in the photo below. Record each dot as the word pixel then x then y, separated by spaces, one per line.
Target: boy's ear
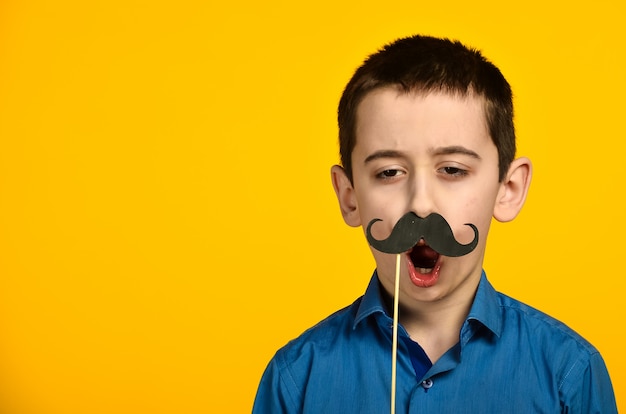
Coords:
pixel 345 195
pixel 513 190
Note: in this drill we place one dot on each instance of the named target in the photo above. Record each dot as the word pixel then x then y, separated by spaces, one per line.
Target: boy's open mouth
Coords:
pixel 423 265
pixel 423 258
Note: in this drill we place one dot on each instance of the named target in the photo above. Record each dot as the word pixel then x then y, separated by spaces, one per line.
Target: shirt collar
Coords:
pixel 371 302
pixel 485 308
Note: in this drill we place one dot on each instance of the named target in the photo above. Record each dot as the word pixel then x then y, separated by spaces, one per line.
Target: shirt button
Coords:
pixel 427 383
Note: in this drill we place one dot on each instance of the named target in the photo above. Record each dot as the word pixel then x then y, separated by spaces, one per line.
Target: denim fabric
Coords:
pixel 510 358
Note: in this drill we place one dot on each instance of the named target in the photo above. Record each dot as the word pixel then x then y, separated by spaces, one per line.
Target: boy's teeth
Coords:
pixel 424 271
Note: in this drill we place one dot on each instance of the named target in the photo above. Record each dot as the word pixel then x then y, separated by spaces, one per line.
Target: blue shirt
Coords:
pixel 510 358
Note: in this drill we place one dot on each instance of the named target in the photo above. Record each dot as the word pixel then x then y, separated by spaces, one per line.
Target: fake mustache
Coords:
pixel 434 229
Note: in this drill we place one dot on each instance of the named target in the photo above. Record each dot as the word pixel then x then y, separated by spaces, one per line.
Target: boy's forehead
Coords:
pixel 390 112
pixel 391 93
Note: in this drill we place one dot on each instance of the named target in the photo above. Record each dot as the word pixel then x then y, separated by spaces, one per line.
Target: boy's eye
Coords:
pixel 391 173
pixel 454 171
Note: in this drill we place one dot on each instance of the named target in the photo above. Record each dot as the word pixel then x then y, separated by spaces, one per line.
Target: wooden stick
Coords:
pixel 394 347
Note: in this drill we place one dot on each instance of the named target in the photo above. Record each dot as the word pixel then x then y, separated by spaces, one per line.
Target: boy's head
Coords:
pixel 427 64
pixel 426 126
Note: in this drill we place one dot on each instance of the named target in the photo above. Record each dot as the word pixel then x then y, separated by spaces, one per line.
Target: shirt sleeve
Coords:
pixel 277 393
pixel 589 390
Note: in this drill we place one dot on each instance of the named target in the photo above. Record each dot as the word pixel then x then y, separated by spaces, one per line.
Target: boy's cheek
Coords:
pixel 385 263
pixel 388 213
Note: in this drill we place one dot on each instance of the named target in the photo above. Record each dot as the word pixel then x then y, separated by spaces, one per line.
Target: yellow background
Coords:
pixel 166 215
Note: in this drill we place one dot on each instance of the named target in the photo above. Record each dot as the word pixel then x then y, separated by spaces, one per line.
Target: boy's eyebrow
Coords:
pixel 453 149
pixel 383 154
pixel 456 149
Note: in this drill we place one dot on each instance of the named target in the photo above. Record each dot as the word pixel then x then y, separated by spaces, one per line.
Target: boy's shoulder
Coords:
pixel 522 319
pixel 356 325
pixel 326 332
pixel 556 351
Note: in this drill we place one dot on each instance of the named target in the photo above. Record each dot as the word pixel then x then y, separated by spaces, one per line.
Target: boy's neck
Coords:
pixel 436 326
pixel 436 329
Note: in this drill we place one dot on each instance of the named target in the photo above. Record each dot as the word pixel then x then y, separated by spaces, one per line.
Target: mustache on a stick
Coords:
pixel 434 229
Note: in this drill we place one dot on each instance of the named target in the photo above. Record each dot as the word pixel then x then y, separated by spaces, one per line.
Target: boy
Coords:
pixel 426 130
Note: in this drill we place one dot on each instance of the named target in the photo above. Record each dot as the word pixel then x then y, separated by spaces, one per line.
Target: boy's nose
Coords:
pixel 421 198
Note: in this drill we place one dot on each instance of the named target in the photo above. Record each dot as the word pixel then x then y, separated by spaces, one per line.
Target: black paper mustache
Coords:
pixel 434 229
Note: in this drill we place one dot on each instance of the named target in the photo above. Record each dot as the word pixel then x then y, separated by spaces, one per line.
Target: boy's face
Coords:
pixel 423 153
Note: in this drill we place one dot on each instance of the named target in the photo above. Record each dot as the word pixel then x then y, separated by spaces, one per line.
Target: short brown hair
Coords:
pixel 429 64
